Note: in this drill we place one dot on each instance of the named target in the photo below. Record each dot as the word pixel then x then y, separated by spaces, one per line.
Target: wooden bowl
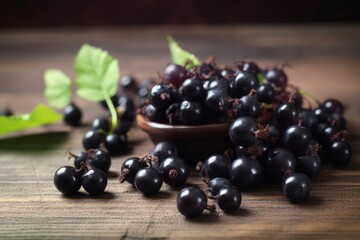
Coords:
pixel 194 143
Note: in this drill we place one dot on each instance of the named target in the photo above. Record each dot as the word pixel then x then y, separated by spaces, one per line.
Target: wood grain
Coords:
pixel 325 61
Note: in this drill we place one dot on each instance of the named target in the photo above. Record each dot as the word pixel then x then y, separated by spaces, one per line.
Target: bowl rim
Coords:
pixel 144 123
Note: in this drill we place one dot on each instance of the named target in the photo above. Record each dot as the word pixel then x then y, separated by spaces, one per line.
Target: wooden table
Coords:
pixel 325 61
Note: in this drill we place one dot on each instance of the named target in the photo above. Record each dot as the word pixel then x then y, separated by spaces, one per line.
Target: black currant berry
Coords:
pixel 217 166
pixel 216 184
pixel 278 162
pixel 245 172
pixel 192 90
pixel 92 139
pixel 99 159
pixel 129 169
pixel 94 181
pixel 163 150
pixel 296 138
pixel 242 131
pixel 228 199
pixel 174 171
pixel 72 115
pixel 115 144
pixel 148 181
pixel 190 113
pixel 175 75
pixel 67 180
pixel 277 78
pixel 296 187
pixel 309 165
pixel 191 202
pixel 100 123
pixel 340 153
pixel 242 84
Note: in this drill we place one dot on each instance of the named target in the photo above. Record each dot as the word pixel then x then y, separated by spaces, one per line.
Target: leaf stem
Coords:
pixel 113 112
pixel 309 95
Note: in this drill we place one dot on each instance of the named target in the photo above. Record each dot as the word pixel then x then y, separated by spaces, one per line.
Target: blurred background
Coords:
pixel 50 13
pixel 40 34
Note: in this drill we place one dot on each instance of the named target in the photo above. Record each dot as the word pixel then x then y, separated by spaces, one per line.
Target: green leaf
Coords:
pixel 57 88
pixel 261 77
pixel 41 115
pixel 97 73
pixel 180 56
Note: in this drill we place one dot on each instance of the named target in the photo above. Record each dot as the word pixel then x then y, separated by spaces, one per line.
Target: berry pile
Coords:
pixel 275 137
pixel 92 165
pixel 148 173
pixel 90 171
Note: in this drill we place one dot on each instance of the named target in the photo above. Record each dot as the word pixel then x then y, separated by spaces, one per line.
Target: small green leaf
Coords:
pixel 180 56
pixel 97 73
pixel 41 115
pixel 57 88
pixel 261 77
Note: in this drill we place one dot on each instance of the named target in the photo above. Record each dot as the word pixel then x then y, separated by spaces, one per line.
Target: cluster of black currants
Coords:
pixel 114 140
pixel 207 94
pixel 275 136
pixel 148 173
pixel 90 171
pixel 192 201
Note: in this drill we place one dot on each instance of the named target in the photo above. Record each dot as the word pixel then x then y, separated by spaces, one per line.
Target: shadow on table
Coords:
pixel 39 142
pixel 82 195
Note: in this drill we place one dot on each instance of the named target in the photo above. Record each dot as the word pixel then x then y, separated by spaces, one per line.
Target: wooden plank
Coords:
pixel 325 62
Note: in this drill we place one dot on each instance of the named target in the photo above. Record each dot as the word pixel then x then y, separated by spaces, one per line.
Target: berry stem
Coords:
pixel 112 112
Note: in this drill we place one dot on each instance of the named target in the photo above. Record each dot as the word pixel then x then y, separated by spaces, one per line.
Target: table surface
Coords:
pixel 325 61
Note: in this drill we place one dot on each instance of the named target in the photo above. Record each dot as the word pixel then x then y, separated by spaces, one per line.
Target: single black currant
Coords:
pixel 128 83
pixel 228 199
pixel 278 162
pixel 92 139
pixel 242 84
pixel 246 106
pixel 296 138
pixel 101 123
pixel 296 187
pixel 80 159
pixel 148 181
pixel 265 93
pixel 287 114
pixel 6 112
pixel 72 115
pixel 175 75
pixel 216 184
pixel 192 90
pixel 115 144
pixel 340 153
pixel 67 180
pixel 129 169
pixel 217 165
pixel 190 113
pixel 216 101
pixel 242 131
pixel 245 172
pixel 100 159
pixel 333 106
pixel 94 181
pixel 191 202
pixel 174 171
pixel 309 165
pixel 163 150
pixel 277 78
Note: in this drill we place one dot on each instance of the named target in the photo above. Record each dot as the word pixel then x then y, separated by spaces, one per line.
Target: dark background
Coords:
pixel 48 13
